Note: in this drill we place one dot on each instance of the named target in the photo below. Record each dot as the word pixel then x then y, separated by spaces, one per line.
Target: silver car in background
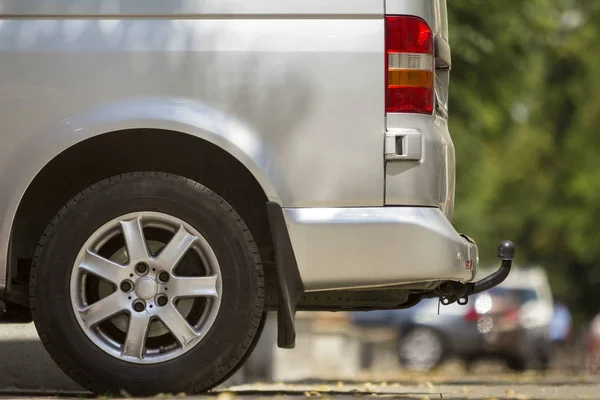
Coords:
pixel 509 322
pixel 170 170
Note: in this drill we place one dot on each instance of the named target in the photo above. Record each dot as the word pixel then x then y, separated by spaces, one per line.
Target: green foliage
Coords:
pixel 525 118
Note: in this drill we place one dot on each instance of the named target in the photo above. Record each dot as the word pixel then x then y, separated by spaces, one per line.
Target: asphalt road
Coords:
pixel 25 365
pixel 26 371
pixel 486 387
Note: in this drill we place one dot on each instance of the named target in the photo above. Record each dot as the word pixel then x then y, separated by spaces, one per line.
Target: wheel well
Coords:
pixel 118 152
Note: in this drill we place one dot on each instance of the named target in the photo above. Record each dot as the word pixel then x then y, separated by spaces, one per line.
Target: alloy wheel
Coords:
pixel 146 287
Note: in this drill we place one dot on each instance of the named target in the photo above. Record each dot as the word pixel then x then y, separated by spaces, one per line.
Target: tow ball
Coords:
pixel 459 292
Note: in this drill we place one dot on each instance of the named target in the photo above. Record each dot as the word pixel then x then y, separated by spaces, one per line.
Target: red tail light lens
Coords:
pixel 409 65
pixel 472 315
pixel 408 35
pixel 511 315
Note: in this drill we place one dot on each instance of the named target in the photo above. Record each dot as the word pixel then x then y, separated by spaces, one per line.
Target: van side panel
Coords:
pixel 312 89
pixel 194 8
pixel 305 80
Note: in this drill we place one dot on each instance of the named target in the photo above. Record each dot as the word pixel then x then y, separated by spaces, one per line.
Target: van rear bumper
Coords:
pixel 342 248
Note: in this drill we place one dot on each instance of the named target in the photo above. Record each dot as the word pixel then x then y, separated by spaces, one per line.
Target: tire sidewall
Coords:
pixel 217 354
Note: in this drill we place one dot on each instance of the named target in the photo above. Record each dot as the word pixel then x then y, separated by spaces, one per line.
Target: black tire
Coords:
pixel 367 355
pixel 259 367
pixel 545 354
pixel 435 347
pixel 517 363
pixel 233 333
pixel 469 363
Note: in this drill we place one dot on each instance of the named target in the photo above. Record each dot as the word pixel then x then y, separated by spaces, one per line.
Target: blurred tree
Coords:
pixel 525 110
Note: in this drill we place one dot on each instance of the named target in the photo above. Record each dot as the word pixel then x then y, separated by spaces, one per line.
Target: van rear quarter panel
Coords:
pixel 297 85
pixel 429 181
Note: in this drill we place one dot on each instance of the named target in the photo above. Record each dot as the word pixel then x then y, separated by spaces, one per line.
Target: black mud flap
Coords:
pixel 290 283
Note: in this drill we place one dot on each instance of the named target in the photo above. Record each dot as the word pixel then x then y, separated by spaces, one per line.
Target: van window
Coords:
pixel 525 295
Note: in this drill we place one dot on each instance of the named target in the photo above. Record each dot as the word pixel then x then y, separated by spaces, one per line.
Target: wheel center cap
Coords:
pixel 146 287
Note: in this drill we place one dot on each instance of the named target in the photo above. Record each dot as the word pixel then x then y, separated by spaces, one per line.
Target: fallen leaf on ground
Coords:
pixel 510 394
pixel 226 396
pixel 370 387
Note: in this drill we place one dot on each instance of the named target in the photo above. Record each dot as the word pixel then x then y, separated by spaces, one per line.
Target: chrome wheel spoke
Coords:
pixel 178 325
pixel 136 335
pixel 101 267
pixel 174 251
pixel 134 240
pixel 205 286
pixel 102 310
pixel 128 263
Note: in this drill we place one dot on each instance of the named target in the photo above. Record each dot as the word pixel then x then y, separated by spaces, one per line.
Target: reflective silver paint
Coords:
pixel 276 91
pixel 377 246
pixel 293 89
pixel 430 180
pixel 193 8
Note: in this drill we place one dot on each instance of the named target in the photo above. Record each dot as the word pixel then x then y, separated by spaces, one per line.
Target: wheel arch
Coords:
pixel 175 137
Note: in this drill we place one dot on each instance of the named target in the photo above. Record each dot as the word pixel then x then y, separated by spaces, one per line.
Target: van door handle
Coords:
pixel 403 144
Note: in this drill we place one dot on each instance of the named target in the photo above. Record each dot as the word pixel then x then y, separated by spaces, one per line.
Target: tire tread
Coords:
pixel 220 374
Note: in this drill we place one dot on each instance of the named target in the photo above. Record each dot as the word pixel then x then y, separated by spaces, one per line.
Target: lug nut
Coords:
pixel 126 286
pixel 162 300
pixel 141 268
pixel 163 276
pixel 139 306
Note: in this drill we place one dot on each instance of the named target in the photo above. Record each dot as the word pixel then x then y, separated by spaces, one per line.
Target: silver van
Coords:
pixel 172 169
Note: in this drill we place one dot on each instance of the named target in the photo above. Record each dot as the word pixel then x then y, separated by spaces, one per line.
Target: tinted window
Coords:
pixel 525 295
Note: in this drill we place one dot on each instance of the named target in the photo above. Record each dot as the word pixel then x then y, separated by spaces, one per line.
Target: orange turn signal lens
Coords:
pixel 410 78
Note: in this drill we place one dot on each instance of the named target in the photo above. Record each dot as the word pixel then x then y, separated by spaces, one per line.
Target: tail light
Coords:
pixel 472 315
pixel 511 316
pixel 409 65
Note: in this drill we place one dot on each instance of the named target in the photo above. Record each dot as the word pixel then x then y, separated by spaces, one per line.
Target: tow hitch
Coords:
pixel 460 292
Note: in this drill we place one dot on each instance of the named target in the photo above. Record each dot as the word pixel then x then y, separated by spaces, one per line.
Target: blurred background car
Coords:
pixel 509 322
